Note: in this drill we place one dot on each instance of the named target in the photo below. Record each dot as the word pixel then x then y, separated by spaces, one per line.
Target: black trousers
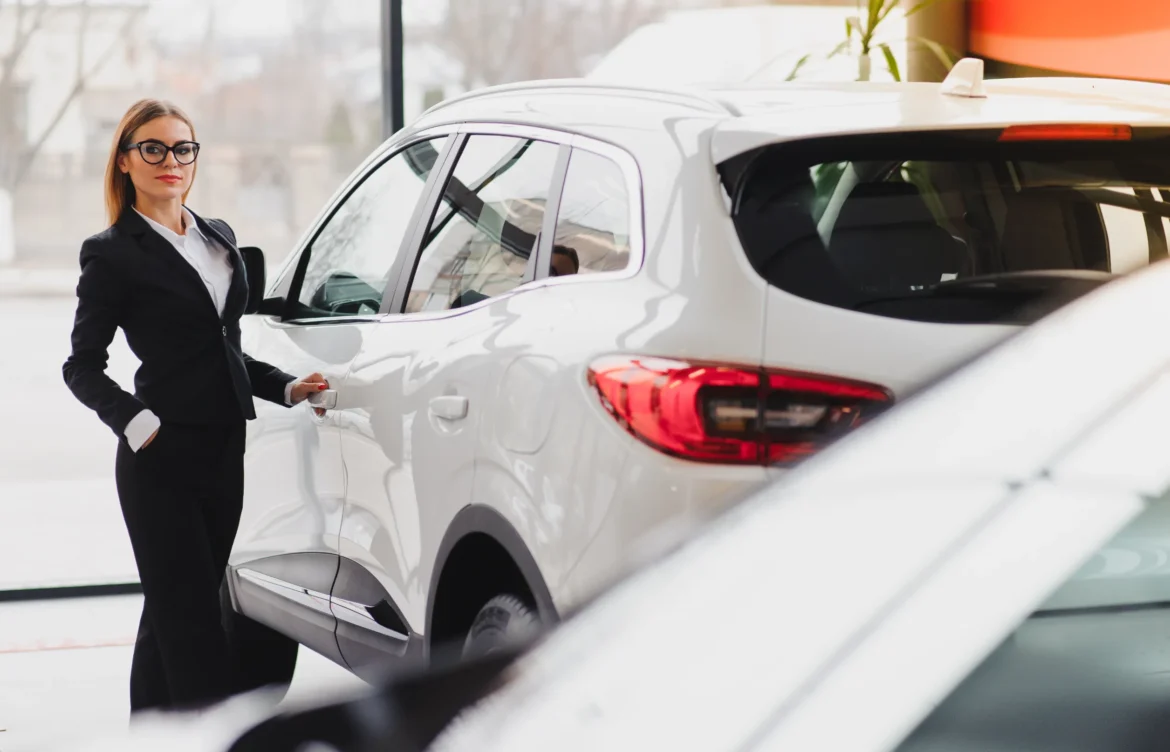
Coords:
pixel 181 497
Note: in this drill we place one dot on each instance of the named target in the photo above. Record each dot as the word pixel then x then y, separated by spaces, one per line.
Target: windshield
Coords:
pixel 1089 670
pixel 872 224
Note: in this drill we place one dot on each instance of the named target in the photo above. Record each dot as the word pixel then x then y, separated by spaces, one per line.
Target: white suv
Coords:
pixel 558 315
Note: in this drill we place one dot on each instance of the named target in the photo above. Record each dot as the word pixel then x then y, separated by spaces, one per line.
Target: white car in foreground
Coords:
pixel 558 316
pixel 986 567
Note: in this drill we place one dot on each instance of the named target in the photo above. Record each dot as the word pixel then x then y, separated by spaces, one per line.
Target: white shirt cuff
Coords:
pixel 288 392
pixel 140 428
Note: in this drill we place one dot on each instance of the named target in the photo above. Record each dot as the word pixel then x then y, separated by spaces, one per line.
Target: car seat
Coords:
pixel 1052 228
pixel 886 241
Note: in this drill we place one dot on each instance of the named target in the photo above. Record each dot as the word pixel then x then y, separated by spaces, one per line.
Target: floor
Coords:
pixel 65 667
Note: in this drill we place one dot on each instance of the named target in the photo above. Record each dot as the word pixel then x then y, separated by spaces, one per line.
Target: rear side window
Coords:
pixel 593 224
pixel 486 227
pixel 975 233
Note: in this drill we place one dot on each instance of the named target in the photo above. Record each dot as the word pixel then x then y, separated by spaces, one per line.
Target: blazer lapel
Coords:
pixel 237 296
pixel 183 278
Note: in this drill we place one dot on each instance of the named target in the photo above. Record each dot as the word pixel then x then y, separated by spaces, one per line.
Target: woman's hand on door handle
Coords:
pixel 310 384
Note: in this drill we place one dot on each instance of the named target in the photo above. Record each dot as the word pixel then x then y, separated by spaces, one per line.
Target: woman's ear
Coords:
pixel 122 164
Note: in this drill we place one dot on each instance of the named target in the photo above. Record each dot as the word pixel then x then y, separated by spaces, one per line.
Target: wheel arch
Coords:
pixel 479 520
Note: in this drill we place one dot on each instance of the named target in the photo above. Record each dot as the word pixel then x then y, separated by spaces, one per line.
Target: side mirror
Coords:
pixel 256 272
pixel 271 307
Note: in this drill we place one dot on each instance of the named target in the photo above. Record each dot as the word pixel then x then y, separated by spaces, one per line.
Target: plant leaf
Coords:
pixel 839 49
pixel 875 9
pixel 945 55
pixel 888 8
pixel 891 61
pixel 796 68
pixel 923 5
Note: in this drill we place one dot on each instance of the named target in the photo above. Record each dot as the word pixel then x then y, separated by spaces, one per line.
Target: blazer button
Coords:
pixel 225 331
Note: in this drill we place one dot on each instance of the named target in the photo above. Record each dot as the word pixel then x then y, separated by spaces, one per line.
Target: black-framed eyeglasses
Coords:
pixel 154 152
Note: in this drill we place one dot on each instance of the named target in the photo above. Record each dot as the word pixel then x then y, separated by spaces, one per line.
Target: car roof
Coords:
pixel 747 116
pixel 848 109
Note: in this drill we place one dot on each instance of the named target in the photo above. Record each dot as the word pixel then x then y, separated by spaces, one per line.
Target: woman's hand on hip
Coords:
pixel 310 384
pixel 149 440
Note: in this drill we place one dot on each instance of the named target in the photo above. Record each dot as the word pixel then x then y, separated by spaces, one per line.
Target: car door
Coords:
pixel 285 558
pixel 414 397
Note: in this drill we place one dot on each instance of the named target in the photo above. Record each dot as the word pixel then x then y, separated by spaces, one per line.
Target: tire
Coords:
pixel 503 622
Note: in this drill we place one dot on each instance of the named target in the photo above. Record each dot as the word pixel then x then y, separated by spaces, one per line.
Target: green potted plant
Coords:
pixel 865 26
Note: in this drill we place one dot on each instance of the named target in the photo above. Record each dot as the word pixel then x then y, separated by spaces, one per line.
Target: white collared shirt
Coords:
pixel 208 257
pixel 211 261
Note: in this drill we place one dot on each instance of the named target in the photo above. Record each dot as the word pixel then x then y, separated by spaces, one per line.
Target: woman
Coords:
pixel 175 284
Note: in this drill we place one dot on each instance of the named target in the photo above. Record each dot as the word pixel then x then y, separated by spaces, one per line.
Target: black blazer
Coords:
pixel 193 370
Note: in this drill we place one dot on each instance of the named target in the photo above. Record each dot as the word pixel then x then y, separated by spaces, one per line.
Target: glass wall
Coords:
pixel 286 94
pixel 463 44
pixel 286 98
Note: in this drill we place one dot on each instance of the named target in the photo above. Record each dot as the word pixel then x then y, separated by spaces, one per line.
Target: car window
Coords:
pixel 351 259
pixel 903 234
pixel 1099 641
pixel 593 224
pixel 486 226
pixel 1129 231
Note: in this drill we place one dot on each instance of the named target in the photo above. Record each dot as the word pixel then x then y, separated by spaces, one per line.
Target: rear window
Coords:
pixel 954 228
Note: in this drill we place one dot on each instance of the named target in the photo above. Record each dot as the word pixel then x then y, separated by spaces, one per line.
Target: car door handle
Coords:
pixel 326 399
pixel 451 407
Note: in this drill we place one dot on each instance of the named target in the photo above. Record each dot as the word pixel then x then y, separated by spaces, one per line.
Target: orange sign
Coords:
pixel 1122 38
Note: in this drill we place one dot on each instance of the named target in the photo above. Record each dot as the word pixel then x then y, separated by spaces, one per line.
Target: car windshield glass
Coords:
pixel 897 222
pixel 1086 671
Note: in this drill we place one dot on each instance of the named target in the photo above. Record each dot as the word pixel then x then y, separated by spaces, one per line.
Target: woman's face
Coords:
pixel 168 180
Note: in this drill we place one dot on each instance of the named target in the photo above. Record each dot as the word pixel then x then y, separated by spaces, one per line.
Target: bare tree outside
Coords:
pixel 500 41
pixel 19 147
pixel 286 103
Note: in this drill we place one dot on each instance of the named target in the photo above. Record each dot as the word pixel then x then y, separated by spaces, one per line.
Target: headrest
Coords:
pixel 1052 228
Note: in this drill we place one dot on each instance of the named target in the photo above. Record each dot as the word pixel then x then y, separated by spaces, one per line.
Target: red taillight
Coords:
pixel 1067 132
pixel 731 414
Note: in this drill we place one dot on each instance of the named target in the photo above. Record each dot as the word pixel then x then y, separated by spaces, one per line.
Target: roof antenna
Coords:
pixel 965 79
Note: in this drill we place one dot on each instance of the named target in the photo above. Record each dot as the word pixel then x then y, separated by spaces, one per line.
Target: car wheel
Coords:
pixel 504 621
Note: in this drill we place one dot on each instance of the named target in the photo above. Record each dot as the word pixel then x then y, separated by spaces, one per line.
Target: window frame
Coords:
pixel 292 275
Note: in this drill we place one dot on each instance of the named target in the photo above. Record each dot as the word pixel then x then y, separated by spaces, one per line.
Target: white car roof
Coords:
pixel 746 117
pixel 807 111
